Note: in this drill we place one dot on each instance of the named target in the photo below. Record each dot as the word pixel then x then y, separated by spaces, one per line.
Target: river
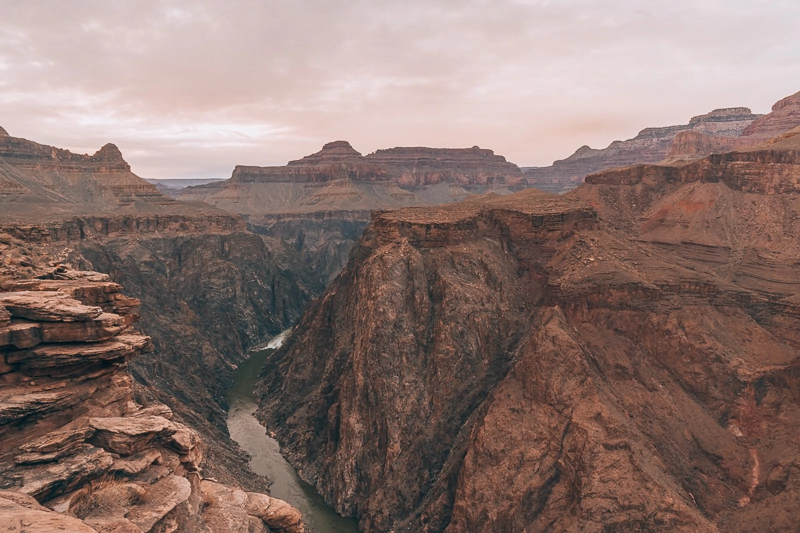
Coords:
pixel 266 459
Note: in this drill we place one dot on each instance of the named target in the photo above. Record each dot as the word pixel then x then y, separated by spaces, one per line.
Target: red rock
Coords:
pixel 49 306
pixel 622 357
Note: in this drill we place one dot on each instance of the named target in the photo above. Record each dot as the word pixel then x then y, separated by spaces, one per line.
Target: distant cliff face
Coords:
pixel 621 358
pixel 720 131
pixel 338 178
pixel 43 182
pixel 415 167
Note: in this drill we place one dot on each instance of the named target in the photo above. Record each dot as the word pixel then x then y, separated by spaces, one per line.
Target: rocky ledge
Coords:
pixel 77 451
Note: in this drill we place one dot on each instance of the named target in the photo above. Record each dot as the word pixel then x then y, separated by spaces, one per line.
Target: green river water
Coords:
pixel 266 459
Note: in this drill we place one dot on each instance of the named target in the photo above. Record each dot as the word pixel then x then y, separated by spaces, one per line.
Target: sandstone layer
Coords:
pixel 77 452
pixel 621 358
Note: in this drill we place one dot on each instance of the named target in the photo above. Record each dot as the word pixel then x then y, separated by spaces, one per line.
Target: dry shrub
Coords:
pixel 105 496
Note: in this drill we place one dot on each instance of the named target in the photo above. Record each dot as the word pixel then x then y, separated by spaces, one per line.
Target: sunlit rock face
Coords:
pixel 623 357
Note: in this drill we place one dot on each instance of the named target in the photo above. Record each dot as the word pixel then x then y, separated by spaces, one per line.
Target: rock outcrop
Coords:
pixel 416 167
pixel 620 358
pixel 77 452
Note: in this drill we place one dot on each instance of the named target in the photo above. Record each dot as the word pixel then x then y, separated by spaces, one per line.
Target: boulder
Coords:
pixel 183 440
pixel 128 435
pixel 276 514
pixel 137 463
pixel 162 497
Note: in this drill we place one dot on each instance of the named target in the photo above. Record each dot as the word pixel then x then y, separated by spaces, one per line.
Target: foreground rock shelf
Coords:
pixel 77 452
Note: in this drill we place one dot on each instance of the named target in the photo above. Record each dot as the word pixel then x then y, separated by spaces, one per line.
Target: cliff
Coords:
pixel 340 178
pixel 78 452
pixel 210 290
pixel 720 131
pixel 46 183
pixel 555 363
pixel 415 167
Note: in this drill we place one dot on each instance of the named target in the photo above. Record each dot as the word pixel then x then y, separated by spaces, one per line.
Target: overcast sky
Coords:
pixel 192 88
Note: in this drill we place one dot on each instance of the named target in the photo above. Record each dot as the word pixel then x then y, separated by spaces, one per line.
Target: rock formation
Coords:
pixel 322 202
pixel 720 131
pixel 44 182
pixel 209 289
pixel 621 358
pixel 416 167
pixel 338 178
pixel 77 452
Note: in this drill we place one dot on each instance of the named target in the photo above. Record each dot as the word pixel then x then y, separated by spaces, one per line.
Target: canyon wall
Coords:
pixel 340 178
pixel 720 131
pixel 209 289
pixel 554 363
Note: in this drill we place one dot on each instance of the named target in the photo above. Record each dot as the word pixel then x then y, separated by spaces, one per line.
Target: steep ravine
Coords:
pixel 206 299
pixel 265 456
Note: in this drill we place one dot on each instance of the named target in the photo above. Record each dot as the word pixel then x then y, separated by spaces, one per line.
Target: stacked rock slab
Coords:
pixel 77 453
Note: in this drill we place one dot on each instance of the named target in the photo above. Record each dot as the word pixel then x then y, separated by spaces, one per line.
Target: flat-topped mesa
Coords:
pixel 756 171
pixel 337 160
pixel 530 216
pixel 418 166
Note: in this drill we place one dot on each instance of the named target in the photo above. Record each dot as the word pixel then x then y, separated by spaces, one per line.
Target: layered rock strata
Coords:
pixel 543 363
pixel 77 453
pixel 340 178
pixel 45 182
pixel 720 131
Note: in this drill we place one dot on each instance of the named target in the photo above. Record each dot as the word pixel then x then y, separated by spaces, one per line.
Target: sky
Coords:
pixel 189 89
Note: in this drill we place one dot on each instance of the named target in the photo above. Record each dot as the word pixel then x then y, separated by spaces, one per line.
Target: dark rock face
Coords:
pixel 622 358
pixel 322 241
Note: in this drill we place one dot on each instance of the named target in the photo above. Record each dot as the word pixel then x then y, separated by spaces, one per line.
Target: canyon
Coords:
pixel 81 452
pixel 619 358
pixel 469 353
pixel 208 289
